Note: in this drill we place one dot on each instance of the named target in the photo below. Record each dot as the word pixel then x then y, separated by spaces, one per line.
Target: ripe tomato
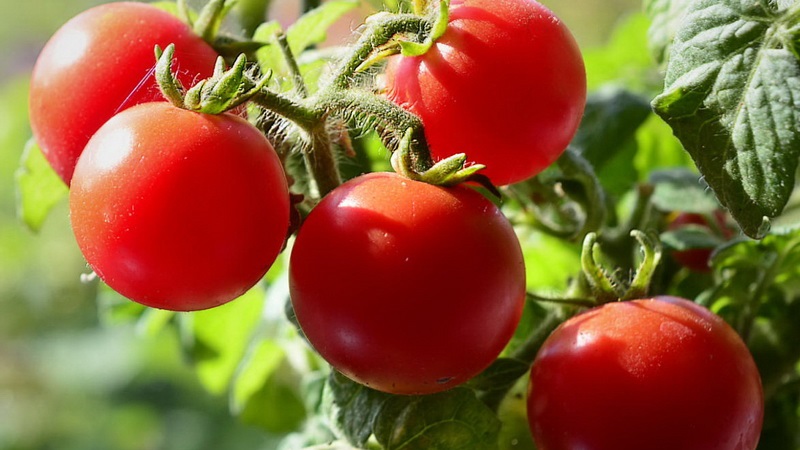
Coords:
pixel 505 84
pixel 696 259
pixel 661 373
pixel 179 210
pixel 407 287
pixel 100 63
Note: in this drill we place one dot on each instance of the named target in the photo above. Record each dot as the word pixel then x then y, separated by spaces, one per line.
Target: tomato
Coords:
pixel 179 210
pixel 696 259
pixel 407 287
pixel 100 63
pixel 505 84
pixel 661 373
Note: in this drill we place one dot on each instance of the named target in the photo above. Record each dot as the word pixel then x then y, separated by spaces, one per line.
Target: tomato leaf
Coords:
pixel 625 60
pixel 357 407
pixel 454 419
pixel 606 137
pixel 500 376
pixel 450 420
pixel 219 337
pixel 681 190
pixel 265 392
pixel 312 27
pixel 690 237
pixel 665 17
pixel 39 189
pixel 732 96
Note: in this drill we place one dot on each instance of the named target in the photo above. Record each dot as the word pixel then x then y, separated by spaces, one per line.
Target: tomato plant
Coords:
pixel 100 63
pixel 504 84
pixel 697 258
pixel 406 287
pixel 661 373
pixel 410 306
pixel 179 210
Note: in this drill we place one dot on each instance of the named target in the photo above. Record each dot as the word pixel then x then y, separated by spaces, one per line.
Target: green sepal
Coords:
pixel 169 85
pixel 447 172
pixel 651 249
pixel 410 48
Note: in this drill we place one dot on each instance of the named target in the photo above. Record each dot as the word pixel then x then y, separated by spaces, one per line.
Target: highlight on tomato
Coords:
pixel 407 287
pixel 179 210
pixel 504 84
pixel 100 63
pixel 657 374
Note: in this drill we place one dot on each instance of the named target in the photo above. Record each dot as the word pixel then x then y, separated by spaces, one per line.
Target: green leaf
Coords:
pixel 454 419
pixel 312 27
pixel 451 420
pixel 501 375
pixel 606 137
pixel 681 190
pixel 665 17
pixel 220 336
pixel 657 148
pixel 625 60
pixel 752 273
pixel 690 237
pixel 265 393
pixel 732 96
pixel 269 57
pixel 357 407
pixel 39 188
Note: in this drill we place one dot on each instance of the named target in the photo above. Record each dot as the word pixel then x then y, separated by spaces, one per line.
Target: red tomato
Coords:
pixel 505 84
pixel 662 373
pixel 100 63
pixel 179 210
pixel 407 287
pixel 696 259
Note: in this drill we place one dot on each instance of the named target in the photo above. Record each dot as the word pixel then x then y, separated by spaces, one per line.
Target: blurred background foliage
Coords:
pixel 67 381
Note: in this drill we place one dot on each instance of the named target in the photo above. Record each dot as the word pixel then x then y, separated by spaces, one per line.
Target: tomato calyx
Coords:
pixel 608 286
pixel 439 21
pixel 447 172
pixel 225 90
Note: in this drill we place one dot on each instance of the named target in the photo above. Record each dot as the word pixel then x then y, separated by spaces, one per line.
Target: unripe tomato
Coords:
pixel 655 374
pixel 505 84
pixel 407 287
pixel 100 63
pixel 179 210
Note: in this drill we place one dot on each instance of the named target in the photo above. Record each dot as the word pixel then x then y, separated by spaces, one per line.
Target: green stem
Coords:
pixel 318 155
pixel 378 33
pixel 294 69
pixel 302 116
pixel 320 161
pixel 765 281
pixel 390 120
pixel 577 302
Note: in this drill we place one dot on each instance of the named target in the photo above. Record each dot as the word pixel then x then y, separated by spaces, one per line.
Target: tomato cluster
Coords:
pixel 405 286
pixel 173 209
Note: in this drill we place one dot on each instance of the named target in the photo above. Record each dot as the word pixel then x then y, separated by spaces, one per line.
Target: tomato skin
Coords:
pixel 662 373
pixel 179 210
pixel 406 287
pixel 505 84
pixel 99 63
